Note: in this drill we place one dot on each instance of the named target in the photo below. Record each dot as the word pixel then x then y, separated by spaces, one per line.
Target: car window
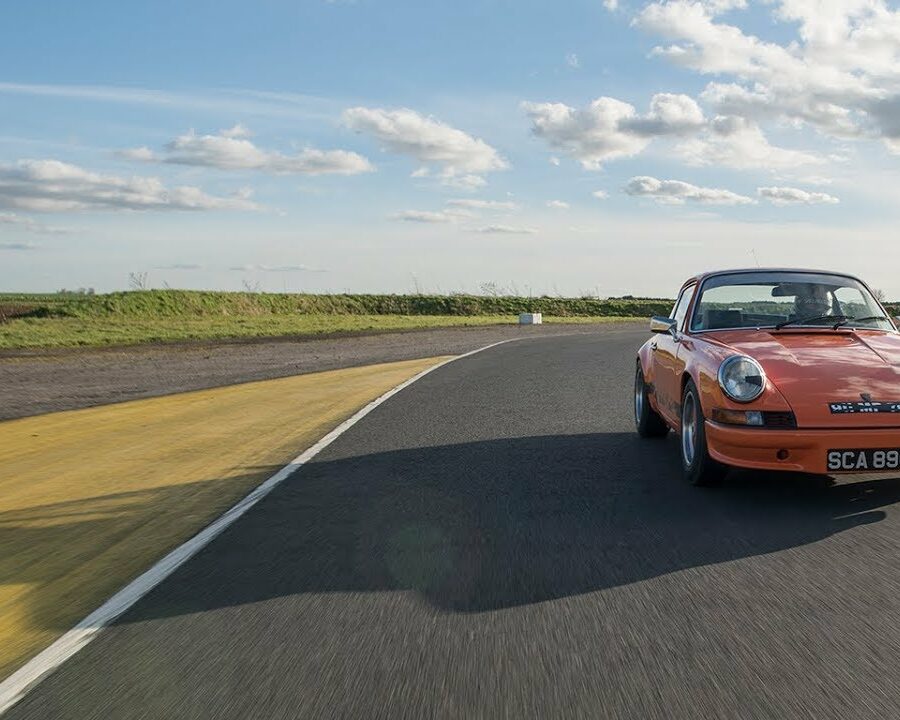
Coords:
pixel 853 303
pixel 681 307
pixel 766 299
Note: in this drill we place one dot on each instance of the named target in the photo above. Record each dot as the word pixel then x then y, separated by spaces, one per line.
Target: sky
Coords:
pixel 586 147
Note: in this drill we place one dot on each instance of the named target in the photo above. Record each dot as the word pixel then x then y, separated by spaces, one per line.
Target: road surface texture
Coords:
pixel 40 381
pixel 495 541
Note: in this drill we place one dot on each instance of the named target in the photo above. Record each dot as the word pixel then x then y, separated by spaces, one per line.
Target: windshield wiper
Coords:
pixel 856 319
pixel 805 321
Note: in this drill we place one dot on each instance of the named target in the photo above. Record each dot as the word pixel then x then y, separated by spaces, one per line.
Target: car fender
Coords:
pixel 702 361
pixel 644 359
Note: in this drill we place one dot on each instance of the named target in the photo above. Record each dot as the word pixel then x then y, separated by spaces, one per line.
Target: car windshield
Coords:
pixel 788 299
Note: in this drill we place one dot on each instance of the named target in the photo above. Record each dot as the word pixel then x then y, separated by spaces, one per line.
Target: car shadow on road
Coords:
pixel 489 525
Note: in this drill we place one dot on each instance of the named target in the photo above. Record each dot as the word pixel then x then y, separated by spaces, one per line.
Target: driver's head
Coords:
pixel 812 301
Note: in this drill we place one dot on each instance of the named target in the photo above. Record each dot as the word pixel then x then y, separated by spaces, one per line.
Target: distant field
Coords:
pixel 55 321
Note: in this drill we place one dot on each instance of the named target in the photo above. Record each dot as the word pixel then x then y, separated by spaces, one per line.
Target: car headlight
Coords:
pixel 742 378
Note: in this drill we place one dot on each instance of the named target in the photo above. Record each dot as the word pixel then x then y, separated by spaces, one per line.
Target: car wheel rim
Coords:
pixel 689 430
pixel 638 397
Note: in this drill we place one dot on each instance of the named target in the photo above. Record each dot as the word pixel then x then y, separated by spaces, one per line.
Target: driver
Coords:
pixel 812 301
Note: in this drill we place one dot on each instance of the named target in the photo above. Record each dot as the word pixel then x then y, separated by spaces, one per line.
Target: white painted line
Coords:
pixel 17 685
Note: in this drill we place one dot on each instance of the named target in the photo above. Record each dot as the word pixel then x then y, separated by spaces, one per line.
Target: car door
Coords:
pixel 667 365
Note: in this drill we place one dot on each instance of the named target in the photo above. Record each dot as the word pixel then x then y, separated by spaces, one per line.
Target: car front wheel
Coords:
pixel 647 421
pixel 697 465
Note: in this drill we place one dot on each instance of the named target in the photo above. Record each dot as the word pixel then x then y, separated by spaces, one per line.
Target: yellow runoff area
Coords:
pixel 91 498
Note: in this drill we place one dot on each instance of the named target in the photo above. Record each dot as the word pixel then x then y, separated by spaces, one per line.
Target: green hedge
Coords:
pixel 178 303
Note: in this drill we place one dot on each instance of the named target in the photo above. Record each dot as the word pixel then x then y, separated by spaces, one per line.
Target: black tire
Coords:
pixel 696 464
pixel 647 421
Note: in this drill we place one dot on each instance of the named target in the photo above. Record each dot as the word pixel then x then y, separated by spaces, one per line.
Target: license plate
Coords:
pixel 868 460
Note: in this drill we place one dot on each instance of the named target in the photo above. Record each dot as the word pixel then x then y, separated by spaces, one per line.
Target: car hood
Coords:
pixel 815 369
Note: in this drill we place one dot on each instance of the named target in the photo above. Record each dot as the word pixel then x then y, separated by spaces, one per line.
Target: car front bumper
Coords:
pixel 807 450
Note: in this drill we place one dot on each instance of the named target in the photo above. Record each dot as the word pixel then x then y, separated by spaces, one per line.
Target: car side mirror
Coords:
pixel 659 324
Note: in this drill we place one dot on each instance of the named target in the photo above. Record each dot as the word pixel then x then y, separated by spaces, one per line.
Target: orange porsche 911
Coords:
pixel 775 370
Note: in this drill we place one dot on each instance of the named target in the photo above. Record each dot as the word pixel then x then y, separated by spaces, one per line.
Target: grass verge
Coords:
pixel 98 331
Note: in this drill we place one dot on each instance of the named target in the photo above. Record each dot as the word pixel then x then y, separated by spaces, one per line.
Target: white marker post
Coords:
pixel 530 319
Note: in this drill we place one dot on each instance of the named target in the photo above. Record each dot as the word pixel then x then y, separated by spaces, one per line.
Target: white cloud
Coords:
pixel 425 216
pixel 31 225
pixel 558 204
pixel 795 196
pixel 274 268
pixel 611 5
pixel 460 159
pixel 460 182
pixel 179 266
pixel 886 115
pixel 711 47
pixel 814 180
pixel 142 154
pixel 591 135
pixel 609 129
pixel 222 101
pixel 236 131
pixel 600 194
pixel 840 75
pixel 572 61
pixel 483 204
pixel 455 210
pixel 54 186
pixel 669 114
pixel 231 150
pixel 17 246
pixel 759 103
pixel 732 141
pixel 505 230
pixel 676 192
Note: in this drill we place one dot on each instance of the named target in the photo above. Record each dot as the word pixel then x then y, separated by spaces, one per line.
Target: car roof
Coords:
pixel 713 273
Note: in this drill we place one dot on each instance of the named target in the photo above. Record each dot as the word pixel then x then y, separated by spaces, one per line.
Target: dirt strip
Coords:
pixel 41 382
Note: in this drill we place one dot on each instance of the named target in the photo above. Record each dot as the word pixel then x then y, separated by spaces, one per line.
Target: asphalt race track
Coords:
pixel 495 541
